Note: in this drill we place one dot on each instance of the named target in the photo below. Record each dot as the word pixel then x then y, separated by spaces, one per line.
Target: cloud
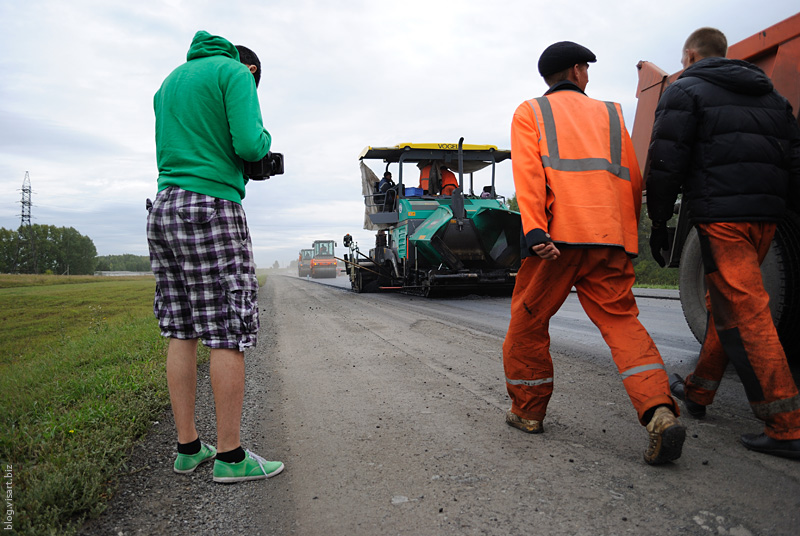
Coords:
pixel 35 137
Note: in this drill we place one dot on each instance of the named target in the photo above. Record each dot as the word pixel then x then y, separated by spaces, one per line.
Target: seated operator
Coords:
pixel 388 189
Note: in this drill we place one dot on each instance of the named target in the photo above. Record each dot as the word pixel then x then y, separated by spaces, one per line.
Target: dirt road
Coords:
pixel 390 421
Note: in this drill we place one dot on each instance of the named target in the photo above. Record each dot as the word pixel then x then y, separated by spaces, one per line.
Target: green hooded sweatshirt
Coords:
pixel 208 121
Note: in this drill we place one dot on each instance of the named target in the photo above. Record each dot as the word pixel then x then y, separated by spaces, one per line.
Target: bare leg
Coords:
pixel 227 381
pixel 182 382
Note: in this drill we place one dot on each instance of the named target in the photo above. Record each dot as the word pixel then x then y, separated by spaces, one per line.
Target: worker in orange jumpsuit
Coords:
pixel 580 192
pixel 449 181
pixel 738 169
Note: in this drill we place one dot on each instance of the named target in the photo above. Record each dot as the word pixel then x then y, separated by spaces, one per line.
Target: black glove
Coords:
pixel 659 240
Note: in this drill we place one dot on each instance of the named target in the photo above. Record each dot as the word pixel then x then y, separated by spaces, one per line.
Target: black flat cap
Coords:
pixel 563 55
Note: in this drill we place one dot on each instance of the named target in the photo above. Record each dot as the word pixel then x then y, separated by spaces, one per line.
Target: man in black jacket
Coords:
pixel 726 139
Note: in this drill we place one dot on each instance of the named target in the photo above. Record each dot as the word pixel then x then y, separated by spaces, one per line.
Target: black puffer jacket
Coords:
pixel 730 141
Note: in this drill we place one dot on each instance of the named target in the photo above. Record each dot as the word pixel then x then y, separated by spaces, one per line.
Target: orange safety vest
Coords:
pixel 424 175
pixel 575 171
pixel 448 179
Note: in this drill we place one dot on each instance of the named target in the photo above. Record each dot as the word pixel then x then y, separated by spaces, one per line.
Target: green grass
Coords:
pixel 82 377
pixel 44 313
pixel 32 280
pixel 663 287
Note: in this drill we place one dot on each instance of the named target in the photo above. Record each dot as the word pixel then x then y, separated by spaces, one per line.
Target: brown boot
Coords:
pixel 666 437
pixel 526 425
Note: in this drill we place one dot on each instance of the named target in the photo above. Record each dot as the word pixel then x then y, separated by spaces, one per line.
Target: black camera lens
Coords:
pixel 269 166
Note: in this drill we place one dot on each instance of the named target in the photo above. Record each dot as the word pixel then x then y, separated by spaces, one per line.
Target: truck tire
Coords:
pixel 692 286
pixel 781 275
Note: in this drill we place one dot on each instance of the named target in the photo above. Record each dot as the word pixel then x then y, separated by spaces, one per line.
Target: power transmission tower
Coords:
pixel 26 244
pixel 26 201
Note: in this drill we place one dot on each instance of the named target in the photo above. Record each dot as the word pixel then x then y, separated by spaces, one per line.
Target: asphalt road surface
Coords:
pixel 388 411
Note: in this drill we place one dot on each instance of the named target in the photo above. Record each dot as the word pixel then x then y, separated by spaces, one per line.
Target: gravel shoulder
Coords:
pixel 390 421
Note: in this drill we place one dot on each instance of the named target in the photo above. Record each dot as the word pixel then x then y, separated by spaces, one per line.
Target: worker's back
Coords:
pixel 593 183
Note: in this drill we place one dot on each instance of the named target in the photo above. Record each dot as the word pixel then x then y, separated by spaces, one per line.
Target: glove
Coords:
pixel 659 240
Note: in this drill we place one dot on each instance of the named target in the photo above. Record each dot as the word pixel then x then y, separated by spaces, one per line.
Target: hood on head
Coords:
pixel 204 44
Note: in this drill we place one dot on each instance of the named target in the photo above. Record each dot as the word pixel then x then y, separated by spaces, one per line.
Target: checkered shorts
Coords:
pixel 202 257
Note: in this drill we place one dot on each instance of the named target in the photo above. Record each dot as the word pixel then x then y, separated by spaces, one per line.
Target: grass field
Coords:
pixel 82 377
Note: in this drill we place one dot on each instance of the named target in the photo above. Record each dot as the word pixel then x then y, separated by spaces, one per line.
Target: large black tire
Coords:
pixel 693 286
pixel 781 275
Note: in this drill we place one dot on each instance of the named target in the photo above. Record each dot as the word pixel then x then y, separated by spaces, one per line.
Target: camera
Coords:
pixel 270 165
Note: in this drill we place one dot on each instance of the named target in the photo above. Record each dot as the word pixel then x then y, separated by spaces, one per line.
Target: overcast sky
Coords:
pixel 77 80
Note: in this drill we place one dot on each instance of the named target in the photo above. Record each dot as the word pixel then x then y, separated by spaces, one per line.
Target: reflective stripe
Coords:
pixel 536 116
pixel 554 161
pixel 644 368
pixel 765 411
pixel 615 133
pixel 702 383
pixel 530 383
pixel 549 129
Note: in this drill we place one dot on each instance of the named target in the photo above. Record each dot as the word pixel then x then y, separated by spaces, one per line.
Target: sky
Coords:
pixel 78 78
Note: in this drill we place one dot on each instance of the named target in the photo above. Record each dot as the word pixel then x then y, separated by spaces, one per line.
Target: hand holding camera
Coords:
pixel 270 165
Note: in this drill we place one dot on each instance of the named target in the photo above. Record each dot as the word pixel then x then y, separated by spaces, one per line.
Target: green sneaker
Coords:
pixel 186 463
pixel 253 467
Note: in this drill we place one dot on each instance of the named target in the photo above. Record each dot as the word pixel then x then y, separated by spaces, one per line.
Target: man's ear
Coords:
pixel 574 73
pixel 252 68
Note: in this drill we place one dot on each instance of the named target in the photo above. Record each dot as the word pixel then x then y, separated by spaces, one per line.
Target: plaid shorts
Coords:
pixel 201 255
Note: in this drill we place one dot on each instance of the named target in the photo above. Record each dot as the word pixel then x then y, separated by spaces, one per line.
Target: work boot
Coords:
pixel 526 425
pixel 666 437
pixel 785 448
pixel 678 388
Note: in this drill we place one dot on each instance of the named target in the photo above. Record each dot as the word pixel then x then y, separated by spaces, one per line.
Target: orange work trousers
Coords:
pixel 740 327
pixel 603 278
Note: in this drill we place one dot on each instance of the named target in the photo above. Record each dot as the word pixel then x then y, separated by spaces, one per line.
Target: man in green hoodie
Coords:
pixel 208 121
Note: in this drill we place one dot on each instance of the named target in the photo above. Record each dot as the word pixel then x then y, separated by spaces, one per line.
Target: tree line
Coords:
pixel 123 263
pixel 46 249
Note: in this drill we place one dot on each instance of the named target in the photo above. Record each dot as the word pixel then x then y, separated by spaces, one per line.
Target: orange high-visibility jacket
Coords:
pixel 575 172
pixel 449 180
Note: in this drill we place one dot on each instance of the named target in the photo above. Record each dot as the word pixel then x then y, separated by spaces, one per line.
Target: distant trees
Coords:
pixel 39 249
pixel 9 246
pixel 123 263
pixel 513 204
